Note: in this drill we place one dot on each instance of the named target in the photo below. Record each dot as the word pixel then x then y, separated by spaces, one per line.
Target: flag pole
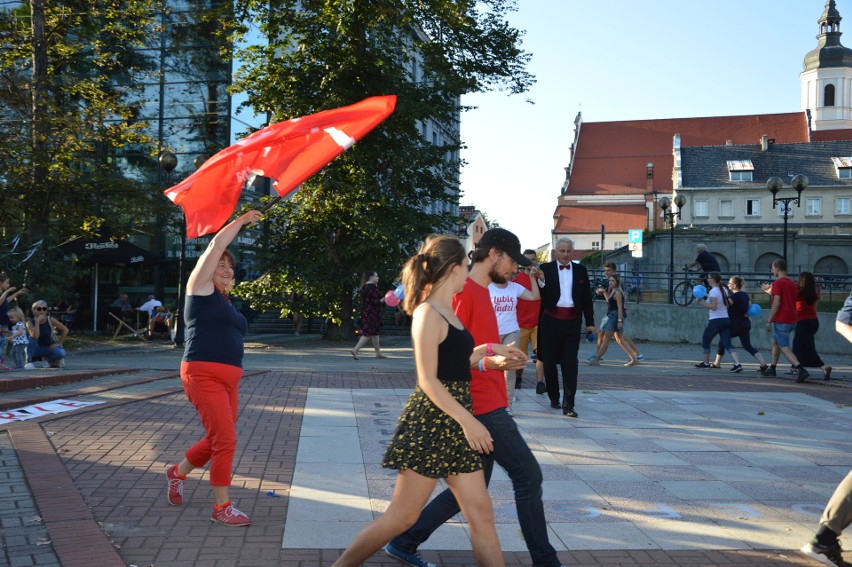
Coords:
pixel 270 204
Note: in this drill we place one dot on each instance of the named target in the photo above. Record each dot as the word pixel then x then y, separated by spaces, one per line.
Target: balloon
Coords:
pixel 699 291
pixel 399 291
pixel 390 299
pixel 754 310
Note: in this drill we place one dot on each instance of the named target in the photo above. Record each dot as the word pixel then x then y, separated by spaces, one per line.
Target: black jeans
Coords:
pixel 512 453
pixel 559 343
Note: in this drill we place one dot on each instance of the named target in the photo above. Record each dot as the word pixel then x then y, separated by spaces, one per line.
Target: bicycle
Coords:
pixel 683 291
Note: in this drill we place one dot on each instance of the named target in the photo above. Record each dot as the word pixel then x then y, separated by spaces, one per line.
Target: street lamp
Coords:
pixel 169 161
pixel 669 217
pixel 775 184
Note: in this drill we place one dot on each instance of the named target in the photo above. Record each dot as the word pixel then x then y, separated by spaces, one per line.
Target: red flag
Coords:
pixel 288 152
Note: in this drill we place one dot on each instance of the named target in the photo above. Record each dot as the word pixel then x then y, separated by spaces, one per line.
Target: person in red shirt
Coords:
pixel 782 315
pixel 495 258
pixel 807 324
pixel 528 322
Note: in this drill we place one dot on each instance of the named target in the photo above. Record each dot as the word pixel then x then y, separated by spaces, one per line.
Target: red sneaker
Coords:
pixel 175 494
pixel 229 516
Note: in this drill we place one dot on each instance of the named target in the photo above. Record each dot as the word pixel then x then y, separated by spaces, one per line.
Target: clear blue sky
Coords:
pixel 626 60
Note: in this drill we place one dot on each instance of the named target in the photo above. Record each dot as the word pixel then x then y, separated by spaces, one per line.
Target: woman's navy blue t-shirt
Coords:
pixel 214 330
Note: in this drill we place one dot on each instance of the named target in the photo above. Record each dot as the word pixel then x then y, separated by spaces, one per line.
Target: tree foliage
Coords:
pixel 65 126
pixel 368 209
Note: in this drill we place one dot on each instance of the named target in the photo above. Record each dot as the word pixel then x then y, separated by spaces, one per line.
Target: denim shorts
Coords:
pixel 781 333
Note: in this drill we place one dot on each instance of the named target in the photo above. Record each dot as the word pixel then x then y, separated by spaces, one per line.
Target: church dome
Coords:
pixel 829 52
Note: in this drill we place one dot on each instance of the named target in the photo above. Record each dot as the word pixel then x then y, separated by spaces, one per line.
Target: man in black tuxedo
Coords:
pixel 566 298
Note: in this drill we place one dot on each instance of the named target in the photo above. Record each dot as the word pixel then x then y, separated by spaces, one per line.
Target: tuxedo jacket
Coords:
pixel 581 290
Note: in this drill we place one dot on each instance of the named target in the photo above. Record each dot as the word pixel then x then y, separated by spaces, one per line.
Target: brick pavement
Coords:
pixel 113 456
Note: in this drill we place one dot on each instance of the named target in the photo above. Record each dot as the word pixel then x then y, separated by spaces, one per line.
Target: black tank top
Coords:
pixel 613 303
pixel 454 354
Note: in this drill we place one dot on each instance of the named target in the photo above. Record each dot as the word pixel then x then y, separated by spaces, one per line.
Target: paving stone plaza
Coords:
pixel 666 464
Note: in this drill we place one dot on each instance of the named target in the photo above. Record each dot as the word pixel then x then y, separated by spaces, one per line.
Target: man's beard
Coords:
pixel 497 277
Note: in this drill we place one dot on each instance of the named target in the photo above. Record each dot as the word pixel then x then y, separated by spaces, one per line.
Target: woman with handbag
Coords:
pixel 738 303
pixel 614 322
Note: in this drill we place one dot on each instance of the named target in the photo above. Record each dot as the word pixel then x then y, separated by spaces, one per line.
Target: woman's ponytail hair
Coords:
pixel 437 256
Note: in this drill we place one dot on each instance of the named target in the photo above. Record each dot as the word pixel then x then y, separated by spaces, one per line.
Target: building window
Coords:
pixel 828 99
pixel 596 245
pixel 740 175
pixel 843 167
pixel 617 244
pixel 752 207
pixel 701 208
pixel 740 170
pixel 843 206
pixel 726 208
pixel 814 207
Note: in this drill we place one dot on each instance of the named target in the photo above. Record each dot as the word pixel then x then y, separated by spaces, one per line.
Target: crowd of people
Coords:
pixel 33 337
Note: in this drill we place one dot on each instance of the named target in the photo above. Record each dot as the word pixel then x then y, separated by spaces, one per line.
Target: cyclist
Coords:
pixel 706 261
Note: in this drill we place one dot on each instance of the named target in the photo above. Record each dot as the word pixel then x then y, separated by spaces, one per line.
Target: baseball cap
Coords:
pixel 504 241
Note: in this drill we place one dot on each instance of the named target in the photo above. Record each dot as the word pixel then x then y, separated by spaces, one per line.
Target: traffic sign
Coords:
pixel 634 235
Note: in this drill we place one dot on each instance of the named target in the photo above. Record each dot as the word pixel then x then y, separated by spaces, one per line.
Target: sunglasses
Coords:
pixel 39 308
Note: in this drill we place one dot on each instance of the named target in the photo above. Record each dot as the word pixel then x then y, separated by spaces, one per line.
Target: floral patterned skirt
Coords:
pixel 430 442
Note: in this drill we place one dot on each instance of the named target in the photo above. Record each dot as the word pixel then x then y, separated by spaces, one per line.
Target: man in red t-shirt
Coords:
pixel 495 259
pixel 782 315
pixel 528 322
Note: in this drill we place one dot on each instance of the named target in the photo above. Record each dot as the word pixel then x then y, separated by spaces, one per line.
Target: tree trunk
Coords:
pixel 37 224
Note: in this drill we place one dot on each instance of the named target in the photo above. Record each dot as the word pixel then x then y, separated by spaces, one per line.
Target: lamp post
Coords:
pixel 168 161
pixel 775 184
pixel 669 217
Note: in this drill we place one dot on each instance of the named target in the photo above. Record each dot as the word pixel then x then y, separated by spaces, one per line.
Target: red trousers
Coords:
pixel 212 388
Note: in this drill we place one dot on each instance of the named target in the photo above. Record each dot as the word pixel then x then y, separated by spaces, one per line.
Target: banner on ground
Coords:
pixel 38 410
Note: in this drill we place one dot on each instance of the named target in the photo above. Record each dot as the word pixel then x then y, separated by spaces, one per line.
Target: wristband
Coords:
pixel 482 364
pixel 489 349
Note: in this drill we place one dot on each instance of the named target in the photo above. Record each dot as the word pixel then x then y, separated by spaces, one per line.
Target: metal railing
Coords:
pixel 655 284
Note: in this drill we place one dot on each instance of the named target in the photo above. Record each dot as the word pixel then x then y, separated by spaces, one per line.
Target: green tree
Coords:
pixel 66 67
pixel 366 211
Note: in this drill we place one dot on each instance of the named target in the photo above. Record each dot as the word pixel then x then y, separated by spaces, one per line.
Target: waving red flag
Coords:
pixel 288 152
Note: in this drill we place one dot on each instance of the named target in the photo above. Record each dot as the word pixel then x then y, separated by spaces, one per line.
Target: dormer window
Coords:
pixel 740 170
pixel 843 167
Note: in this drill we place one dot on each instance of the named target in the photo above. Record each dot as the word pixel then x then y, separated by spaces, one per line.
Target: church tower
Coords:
pixel 826 77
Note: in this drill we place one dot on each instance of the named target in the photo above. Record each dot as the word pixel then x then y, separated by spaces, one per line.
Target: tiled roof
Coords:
pixel 611 157
pixel 585 219
pixel 707 166
pixel 831 135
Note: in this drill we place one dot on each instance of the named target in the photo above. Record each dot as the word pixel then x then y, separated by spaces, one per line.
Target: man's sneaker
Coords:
pixel 803 373
pixel 175 493
pixel 793 371
pixel 540 388
pixel 640 357
pixel 59 363
pixel 703 365
pixel 29 366
pixel 229 516
pixel 768 372
pixel 412 560
pixel 826 554
pixel 737 368
pixel 591 358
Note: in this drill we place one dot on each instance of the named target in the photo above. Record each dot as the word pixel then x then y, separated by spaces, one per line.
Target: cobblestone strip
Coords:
pixel 76 537
pixel 24 537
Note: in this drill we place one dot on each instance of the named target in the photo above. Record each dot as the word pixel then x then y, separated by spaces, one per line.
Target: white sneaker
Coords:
pixel 29 366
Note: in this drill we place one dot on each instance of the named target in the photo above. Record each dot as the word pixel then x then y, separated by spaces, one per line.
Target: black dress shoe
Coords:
pixel 569 412
pixel 540 388
pixel 555 405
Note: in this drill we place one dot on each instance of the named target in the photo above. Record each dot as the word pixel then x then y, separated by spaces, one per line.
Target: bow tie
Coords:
pixel 564 266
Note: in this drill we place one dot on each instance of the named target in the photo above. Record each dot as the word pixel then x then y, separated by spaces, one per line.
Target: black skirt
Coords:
pixel 430 442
